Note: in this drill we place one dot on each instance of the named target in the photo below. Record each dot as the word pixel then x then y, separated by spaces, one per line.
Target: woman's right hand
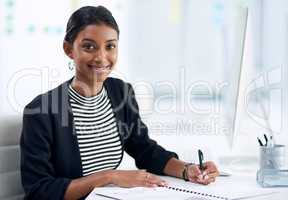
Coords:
pixel 136 178
pixel 204 177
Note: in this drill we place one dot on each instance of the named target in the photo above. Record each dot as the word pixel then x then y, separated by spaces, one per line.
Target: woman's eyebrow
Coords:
pixel 90 40
pixel 87 39
pixel 111 40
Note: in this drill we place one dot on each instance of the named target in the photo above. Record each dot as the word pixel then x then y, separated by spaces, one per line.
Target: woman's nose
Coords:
pixel 99 56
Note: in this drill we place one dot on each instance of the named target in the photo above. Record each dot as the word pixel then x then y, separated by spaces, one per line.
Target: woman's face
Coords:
pixel 94 52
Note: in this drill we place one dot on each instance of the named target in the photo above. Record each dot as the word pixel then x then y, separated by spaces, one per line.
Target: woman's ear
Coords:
pixel 67 47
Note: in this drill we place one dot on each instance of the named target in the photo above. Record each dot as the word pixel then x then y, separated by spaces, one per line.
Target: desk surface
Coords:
pixel 235 184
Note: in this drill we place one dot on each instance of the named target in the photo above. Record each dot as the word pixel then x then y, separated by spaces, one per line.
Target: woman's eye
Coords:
pixel 111 46
pixel 88 46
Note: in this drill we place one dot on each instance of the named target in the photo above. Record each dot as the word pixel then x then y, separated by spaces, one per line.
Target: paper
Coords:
pixel 223 189
pixel 137 193
pixel 234 187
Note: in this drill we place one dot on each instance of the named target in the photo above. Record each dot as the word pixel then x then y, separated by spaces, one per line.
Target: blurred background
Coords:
pixel 208 74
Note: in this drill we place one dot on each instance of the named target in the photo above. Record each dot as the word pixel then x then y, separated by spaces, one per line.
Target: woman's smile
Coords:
pixel 100 69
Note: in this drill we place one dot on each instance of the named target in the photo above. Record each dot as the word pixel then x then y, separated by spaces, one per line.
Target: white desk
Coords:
pixel 240 184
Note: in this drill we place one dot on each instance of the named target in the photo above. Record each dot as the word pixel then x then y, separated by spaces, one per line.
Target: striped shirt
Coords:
pixel 97 134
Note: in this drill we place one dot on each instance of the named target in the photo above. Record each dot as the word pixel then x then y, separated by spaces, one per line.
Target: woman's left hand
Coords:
pixel 208 175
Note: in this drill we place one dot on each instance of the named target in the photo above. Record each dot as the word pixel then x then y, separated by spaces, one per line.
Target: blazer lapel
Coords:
pixel 69 130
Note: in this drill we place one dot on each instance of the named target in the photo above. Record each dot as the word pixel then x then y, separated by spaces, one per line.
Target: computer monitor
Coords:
pixel 236 74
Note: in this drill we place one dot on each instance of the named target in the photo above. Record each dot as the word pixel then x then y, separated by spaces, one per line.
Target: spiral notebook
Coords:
pixel 167 193
pixel 199 195
pixel 233 188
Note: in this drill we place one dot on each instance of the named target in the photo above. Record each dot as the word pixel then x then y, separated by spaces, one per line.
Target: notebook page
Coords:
pixel 233 187
pixel 137 193
pixel 225 188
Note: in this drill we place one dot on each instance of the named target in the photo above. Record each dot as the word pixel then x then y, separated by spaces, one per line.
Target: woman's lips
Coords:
pixel 99 69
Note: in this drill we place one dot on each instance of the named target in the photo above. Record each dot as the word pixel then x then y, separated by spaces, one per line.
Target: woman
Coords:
pixel 73 136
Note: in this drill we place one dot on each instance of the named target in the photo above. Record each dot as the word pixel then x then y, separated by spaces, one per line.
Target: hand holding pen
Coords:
pixel 204 173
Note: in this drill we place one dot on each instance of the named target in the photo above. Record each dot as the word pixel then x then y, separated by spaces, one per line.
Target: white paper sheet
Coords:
pixel 142 193
pixel 224 188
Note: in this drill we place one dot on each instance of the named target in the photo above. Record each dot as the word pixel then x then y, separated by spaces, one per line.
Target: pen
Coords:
pixel 201 158
pixel 201 166
pixel 271 142
pixel 266 139
pixel 260 143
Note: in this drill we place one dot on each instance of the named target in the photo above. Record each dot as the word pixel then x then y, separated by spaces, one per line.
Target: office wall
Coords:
pixel 166 48
pixel 31 51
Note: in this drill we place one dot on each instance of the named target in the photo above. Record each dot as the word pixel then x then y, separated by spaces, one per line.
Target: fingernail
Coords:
pixel 200 176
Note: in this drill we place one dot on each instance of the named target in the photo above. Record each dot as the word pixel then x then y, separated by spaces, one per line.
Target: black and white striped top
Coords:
pixel 98 137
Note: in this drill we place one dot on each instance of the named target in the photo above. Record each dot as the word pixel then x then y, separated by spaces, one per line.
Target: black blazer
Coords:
pixel 50 156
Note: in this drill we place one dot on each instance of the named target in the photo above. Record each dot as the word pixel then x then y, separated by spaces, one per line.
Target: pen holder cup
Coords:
pixel 272 171
pixel 272 157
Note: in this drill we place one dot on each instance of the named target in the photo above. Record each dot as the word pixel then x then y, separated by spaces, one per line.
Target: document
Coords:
pixel 223 189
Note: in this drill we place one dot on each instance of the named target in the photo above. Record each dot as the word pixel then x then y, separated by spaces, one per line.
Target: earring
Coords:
pixel 71 65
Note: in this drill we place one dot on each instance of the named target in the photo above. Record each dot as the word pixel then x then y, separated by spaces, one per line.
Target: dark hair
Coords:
pixel 88 15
